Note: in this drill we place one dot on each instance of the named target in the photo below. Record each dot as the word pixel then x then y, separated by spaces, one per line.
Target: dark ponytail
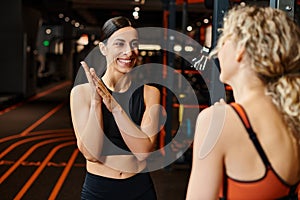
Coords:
pixel 112 25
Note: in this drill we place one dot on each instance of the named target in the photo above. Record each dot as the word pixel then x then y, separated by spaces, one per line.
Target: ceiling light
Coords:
pixel 177 48
pixel 48 31
pixel 149 47
pixel 61 15
pixel 67 19
pixel 137 9
pixel 188 48
pixel 77 24
pixel 189 28
pixel 143 53
pixel 135 13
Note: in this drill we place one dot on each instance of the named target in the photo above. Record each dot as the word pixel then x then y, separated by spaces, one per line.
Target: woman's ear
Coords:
pixel 240 54
pixel 102 48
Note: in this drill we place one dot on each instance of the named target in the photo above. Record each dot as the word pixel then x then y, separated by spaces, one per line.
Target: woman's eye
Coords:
pixel 134 44
pixel 119 44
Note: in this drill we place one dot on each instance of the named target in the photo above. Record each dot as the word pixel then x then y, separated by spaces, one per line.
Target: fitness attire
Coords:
pixel 270 186
pixel 137 187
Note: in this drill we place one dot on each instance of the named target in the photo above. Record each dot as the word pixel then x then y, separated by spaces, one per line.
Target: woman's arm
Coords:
pixel 85 105
pixel 207 166
pixel 141 140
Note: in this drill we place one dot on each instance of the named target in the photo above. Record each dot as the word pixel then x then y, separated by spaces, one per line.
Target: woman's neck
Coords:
pixel 109 81
pixel 248 88
pixel 248 93
pixel 115 81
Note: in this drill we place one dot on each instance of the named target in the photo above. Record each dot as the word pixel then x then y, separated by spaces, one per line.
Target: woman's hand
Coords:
pixel 102 92
pixel 94 95
pixel 108 99
pixel 220 102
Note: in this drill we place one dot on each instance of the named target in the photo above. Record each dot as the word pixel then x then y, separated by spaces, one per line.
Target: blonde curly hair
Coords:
pixel 272 42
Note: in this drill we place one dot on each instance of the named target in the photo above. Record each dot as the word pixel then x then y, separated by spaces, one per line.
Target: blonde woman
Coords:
pixel 256 151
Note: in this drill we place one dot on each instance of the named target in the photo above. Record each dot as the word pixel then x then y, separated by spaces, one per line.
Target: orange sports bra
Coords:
pixel 270 186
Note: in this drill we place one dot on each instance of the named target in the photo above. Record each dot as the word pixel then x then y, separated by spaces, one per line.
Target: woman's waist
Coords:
pixel 116 166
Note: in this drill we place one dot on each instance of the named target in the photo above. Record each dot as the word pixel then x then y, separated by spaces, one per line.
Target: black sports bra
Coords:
pixel 114 144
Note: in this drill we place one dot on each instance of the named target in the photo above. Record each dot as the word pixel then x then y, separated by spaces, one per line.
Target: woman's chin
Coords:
pixel 124 69
pixel 125 66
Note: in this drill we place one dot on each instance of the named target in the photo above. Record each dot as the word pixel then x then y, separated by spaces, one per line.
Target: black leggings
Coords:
pixel 137 187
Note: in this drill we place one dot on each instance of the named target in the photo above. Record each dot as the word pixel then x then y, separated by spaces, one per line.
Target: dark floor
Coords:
pixel 39 158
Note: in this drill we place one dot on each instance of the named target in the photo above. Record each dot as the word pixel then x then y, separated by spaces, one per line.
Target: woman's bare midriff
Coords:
pixel 116 166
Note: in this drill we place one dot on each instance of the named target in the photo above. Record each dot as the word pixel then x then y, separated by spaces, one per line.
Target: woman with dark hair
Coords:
pixel 251 148
pixel 115 123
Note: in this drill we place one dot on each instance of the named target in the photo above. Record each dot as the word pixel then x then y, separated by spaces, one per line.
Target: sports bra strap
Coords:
pixel 244 118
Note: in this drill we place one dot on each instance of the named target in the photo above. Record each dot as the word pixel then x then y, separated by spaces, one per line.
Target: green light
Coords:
pixel 46 43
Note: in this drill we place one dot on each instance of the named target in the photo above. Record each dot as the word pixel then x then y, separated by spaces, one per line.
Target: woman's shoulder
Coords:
pixel 216 121
pixel 83 86
pixel 211 130
pixel 218 110
pixel 81 89
pixel 150 90
pixel 151 95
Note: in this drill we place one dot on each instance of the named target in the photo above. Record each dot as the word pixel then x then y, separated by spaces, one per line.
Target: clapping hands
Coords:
pixel 97 85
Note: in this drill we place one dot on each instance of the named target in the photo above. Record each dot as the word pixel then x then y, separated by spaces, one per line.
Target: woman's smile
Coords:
pixel 126 62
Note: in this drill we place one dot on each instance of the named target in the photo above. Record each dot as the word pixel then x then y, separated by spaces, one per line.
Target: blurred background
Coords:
pixel 44 40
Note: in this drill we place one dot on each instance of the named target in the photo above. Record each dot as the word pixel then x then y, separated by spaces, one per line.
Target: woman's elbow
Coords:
pixel 84 152
pixel 80 146
pixel 141 156
pixel 146 153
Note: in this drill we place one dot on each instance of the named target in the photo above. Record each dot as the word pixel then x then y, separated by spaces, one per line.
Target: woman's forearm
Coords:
pixel 92 133
pixel 87 123
pixel 139 141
